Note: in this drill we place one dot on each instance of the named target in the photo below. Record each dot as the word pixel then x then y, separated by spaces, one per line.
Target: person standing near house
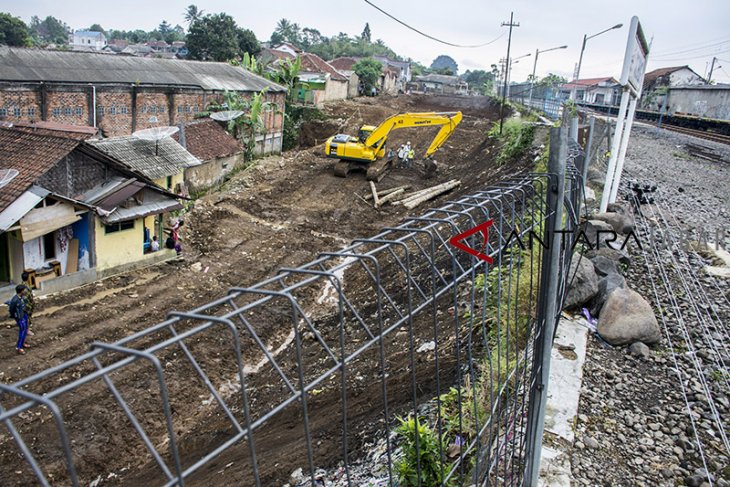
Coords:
pixel 18 312
pixel 155 244
pixel 29 301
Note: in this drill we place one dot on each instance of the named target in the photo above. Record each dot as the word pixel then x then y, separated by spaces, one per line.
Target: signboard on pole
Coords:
pixel 632 79
pixel 637 50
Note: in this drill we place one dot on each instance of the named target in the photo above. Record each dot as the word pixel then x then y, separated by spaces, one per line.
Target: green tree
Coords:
pixel 13 31
pixel 552 80
pixel 447 62
pixel 216 37
pixel 251 123
pixel 49 30
pixel 286 31
pixel 369 71
pixel 193 13
pixel 311 37
pixel 480 80
pixel 96 28
pixel 366 34
pixel 247 42
pixel 418 69
pixel 164 28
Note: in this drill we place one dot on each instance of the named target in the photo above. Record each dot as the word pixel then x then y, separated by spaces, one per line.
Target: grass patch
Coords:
pixel 517 136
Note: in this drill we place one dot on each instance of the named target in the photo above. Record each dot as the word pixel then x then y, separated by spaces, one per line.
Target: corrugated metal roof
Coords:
pixel 154 204
pixel 154 160
pixel 33 65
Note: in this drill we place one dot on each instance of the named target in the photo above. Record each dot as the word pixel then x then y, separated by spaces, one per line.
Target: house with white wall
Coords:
pixel 88 40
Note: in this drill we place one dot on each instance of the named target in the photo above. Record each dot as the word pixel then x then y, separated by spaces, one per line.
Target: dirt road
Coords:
pixel 281 212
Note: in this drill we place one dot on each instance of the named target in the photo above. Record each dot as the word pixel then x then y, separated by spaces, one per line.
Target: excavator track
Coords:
pixel 342 168
pixel 378 169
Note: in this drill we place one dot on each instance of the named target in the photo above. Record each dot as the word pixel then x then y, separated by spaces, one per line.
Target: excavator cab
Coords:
pixel 365 132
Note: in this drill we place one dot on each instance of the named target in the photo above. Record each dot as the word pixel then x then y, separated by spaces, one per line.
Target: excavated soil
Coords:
pixel 282 212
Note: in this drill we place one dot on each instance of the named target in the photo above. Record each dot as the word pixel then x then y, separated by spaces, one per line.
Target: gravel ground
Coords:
pixel 663 420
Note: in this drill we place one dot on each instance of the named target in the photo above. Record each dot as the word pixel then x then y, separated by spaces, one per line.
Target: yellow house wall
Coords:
pixel 176 178
pixel 115 249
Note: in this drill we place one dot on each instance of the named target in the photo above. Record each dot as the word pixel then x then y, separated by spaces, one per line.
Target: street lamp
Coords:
pixel 583 48
pixel 509 68
pixel 534 67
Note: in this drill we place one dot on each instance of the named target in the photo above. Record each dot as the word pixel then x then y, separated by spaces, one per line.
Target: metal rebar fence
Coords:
pixel 399 360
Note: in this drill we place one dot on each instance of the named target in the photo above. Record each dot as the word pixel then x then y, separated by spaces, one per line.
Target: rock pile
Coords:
pixel 597 283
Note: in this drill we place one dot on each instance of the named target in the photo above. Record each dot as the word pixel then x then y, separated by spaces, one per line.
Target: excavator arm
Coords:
pixel 448 121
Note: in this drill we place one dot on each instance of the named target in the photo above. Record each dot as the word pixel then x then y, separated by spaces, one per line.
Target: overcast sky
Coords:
pixel 684 31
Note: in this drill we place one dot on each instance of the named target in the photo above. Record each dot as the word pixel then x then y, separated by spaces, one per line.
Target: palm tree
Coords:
pixel 193 13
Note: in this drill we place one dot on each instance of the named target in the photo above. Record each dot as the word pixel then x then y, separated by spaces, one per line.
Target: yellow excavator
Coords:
pixel 368 148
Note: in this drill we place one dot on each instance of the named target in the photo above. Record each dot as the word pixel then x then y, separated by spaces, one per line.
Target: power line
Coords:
pixel 721 45
pixel 684 58
pixel 690 47
pixel 430 36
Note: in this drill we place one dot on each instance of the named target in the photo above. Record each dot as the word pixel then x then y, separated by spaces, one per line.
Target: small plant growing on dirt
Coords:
pixel 427 454
pixel 516 137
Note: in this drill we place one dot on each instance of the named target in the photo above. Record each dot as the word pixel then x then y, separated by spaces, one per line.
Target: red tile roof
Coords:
pixel 206 140
pixel 311 63
pixel 343 63
pixel 652 76
pixel 32 155
pixel 57 129
pixel 277 54
pixel 587 82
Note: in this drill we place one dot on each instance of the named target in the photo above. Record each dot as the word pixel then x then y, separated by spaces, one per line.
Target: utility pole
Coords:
pixel 504 90
pixel 712 68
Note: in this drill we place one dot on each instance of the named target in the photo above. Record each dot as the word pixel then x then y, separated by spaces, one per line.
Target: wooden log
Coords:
pixel 389 197
pixel 436 191
pixel 426 191
pixel 361 198
pixel 387 191
pixel 375 194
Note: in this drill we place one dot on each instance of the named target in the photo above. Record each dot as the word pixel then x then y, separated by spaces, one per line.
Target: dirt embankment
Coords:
pixel 280 213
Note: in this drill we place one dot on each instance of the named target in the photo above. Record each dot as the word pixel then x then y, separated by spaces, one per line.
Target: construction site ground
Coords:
pixel 281 212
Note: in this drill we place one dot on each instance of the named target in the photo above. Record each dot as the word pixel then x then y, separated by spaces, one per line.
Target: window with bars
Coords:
pixel 123 109
pixel 56 112
pixel 3 112
pixel 17 111
pixel 31 112
pixel 112 110
pixel 67 111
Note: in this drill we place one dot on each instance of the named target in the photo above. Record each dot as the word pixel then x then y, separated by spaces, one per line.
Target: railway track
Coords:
pixel 722 139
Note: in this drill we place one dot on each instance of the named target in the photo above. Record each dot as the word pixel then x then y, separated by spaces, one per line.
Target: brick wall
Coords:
pixel 113 112
pixel 75 174
pixel 20 105
pixel 71 105
pixel 187 105
pixel 152 110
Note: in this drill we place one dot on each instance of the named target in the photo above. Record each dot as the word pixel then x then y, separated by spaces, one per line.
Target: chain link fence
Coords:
pixel 399 360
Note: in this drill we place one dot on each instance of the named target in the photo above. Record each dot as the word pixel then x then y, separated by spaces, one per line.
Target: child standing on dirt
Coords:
pixel 29 301
pixel 18 312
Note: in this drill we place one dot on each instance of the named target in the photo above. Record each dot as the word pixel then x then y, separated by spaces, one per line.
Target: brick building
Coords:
pixel 122 94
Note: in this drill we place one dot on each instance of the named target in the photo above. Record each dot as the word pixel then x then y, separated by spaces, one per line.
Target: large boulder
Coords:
pixel 604 266
pixel 626 317
pixel 592 229
pixel 584 284
pixel 616 255
pixel 620 222
pixel 606 285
